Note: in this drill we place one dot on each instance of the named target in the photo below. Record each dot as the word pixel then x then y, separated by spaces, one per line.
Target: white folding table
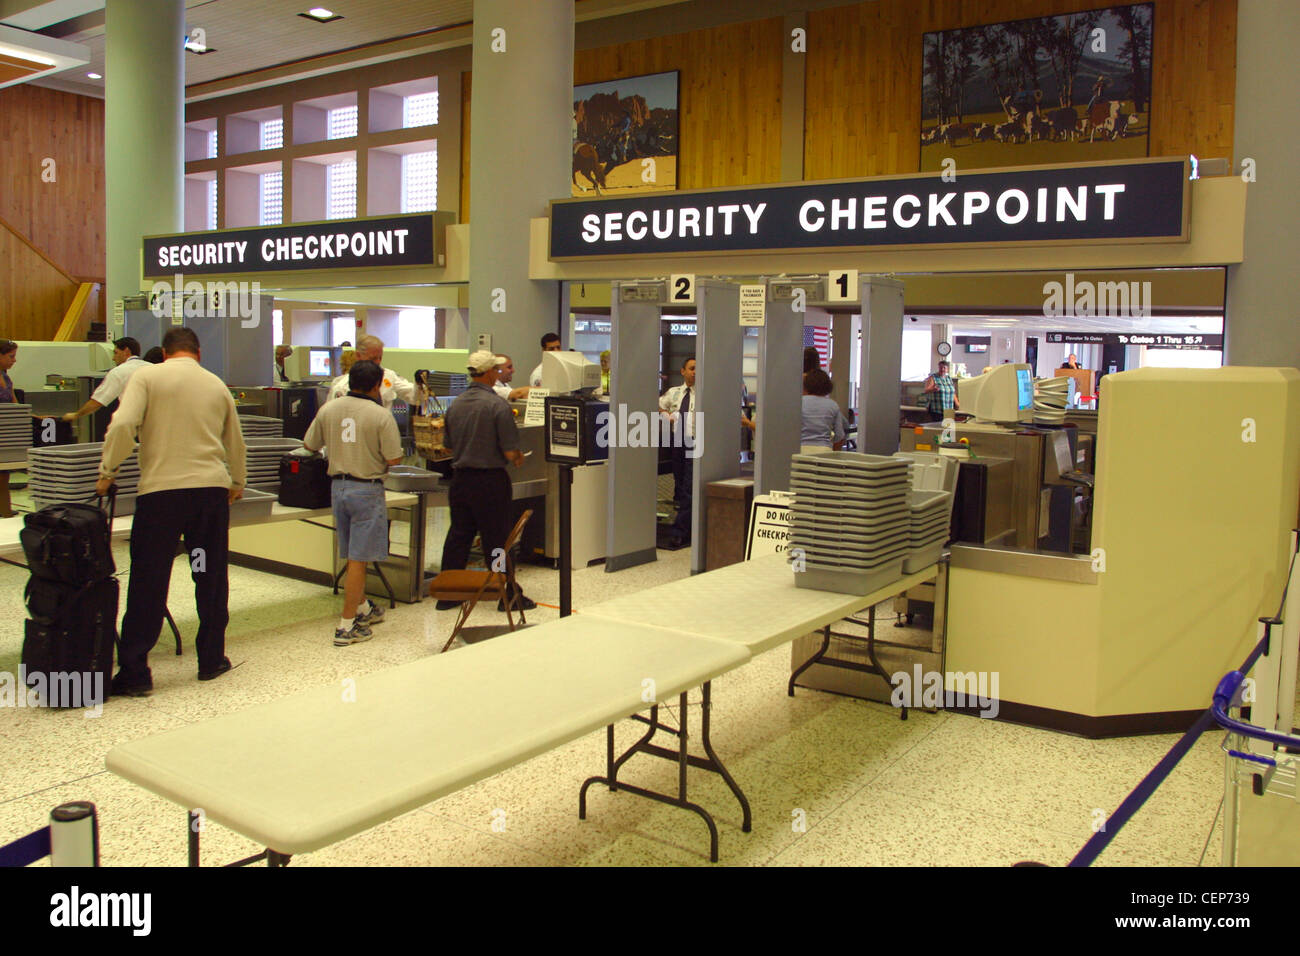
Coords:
pixel 306 771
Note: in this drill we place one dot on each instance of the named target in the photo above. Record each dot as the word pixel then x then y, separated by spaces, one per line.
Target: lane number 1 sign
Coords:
pixel 843 286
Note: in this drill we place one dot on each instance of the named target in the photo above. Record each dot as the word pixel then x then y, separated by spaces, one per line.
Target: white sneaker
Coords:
pixel 374 616
pixel 354 635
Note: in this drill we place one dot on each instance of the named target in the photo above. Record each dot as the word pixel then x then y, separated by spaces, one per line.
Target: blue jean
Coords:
pixel 360 520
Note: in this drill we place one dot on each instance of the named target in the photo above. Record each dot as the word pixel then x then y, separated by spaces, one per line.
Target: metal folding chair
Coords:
pixel 470 586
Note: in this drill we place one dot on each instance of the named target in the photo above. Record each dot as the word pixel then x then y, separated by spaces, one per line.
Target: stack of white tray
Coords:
pixel 260 426
pixel 931 471
pixel 931 518
pixel 849 522
pixel 262 458
pixel 67 473
pixel 1050 396
pixel 15 431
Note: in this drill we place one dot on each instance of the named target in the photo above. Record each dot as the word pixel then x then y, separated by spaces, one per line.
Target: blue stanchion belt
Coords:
pixel 1216 714
pixel 26 850
pixel 1133 802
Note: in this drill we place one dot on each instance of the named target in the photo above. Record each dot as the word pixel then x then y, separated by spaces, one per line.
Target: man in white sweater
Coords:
pixel 192 469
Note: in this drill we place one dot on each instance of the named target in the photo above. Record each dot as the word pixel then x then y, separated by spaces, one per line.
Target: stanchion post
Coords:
pixel 74 835
pixel 566 540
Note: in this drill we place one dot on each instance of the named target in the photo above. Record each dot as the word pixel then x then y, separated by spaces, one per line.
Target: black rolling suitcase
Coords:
pixel 72 597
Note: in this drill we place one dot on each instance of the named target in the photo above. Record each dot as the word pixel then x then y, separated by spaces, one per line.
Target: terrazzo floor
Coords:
pixel 832 780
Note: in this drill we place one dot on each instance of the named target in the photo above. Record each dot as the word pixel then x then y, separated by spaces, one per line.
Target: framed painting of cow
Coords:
pixel 625 135
pixel 1062 89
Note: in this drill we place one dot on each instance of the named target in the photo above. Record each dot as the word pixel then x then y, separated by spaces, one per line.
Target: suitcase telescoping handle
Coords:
pixel 112 508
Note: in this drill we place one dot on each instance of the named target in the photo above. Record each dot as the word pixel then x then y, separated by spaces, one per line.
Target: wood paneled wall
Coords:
pixel 863 82
pixel 729 99
pixel 34 295
pixel 65 219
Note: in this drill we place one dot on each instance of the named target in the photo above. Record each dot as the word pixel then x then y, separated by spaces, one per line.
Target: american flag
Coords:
pixel 820 339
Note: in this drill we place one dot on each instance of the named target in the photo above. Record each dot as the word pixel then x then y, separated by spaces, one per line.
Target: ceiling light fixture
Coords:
pixel 321 15
pixel 95 76
pixel 198 48
pixel 28 56
pixel 25 55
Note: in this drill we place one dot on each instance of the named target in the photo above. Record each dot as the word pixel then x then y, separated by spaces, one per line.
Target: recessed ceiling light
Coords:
pixel 198 48
pixel 95 76
pixel 321 15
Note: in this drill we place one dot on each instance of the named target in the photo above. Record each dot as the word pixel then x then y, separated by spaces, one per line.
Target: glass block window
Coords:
pixel 271 186
pixel 341 190
pixel 277 326
pixel 419 182
pixel 272 134
pixel 212 203
pixel 420 109
pixel 341 123
pixel 212 144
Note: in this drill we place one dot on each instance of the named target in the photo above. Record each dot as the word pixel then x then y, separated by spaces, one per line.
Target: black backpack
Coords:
pixel 304 482
pixel 68 543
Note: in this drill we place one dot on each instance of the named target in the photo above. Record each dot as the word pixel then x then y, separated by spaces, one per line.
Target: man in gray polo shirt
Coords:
pixel 361 439
pixel 482 436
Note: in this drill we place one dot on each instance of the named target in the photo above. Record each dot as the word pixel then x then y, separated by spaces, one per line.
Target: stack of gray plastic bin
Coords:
pixel 934 486
pixel 850 521
pixel 262 458
pixel 931 517
pixel 15 432
pixel 260 426
pixel 67 473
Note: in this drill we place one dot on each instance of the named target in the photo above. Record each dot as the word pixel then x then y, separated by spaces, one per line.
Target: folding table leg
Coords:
pixel 821 652
pixel 707 743
pixel 684 759
pixel 871 653
pixel 175 630
pixel 392 598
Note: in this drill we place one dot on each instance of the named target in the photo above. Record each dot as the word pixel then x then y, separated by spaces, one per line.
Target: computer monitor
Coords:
pixel 564 372
pixel 319 363
pixel 1004 393
pixel 1024 389
pixel 307 363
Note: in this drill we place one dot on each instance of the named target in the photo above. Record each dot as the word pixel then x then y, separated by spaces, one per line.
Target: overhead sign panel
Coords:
pixel 1138 201
pixel 378 242
pixel 1153 340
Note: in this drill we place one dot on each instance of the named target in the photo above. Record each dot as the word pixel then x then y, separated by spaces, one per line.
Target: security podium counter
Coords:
pixel 1195 498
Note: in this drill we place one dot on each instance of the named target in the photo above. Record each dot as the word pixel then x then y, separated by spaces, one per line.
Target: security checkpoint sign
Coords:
pixel 753 304
pixel 769 524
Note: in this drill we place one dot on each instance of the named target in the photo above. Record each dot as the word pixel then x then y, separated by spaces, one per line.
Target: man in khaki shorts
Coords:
pixel 361 439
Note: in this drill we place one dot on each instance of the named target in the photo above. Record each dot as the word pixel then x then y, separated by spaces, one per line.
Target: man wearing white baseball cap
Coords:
pixel 480 430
